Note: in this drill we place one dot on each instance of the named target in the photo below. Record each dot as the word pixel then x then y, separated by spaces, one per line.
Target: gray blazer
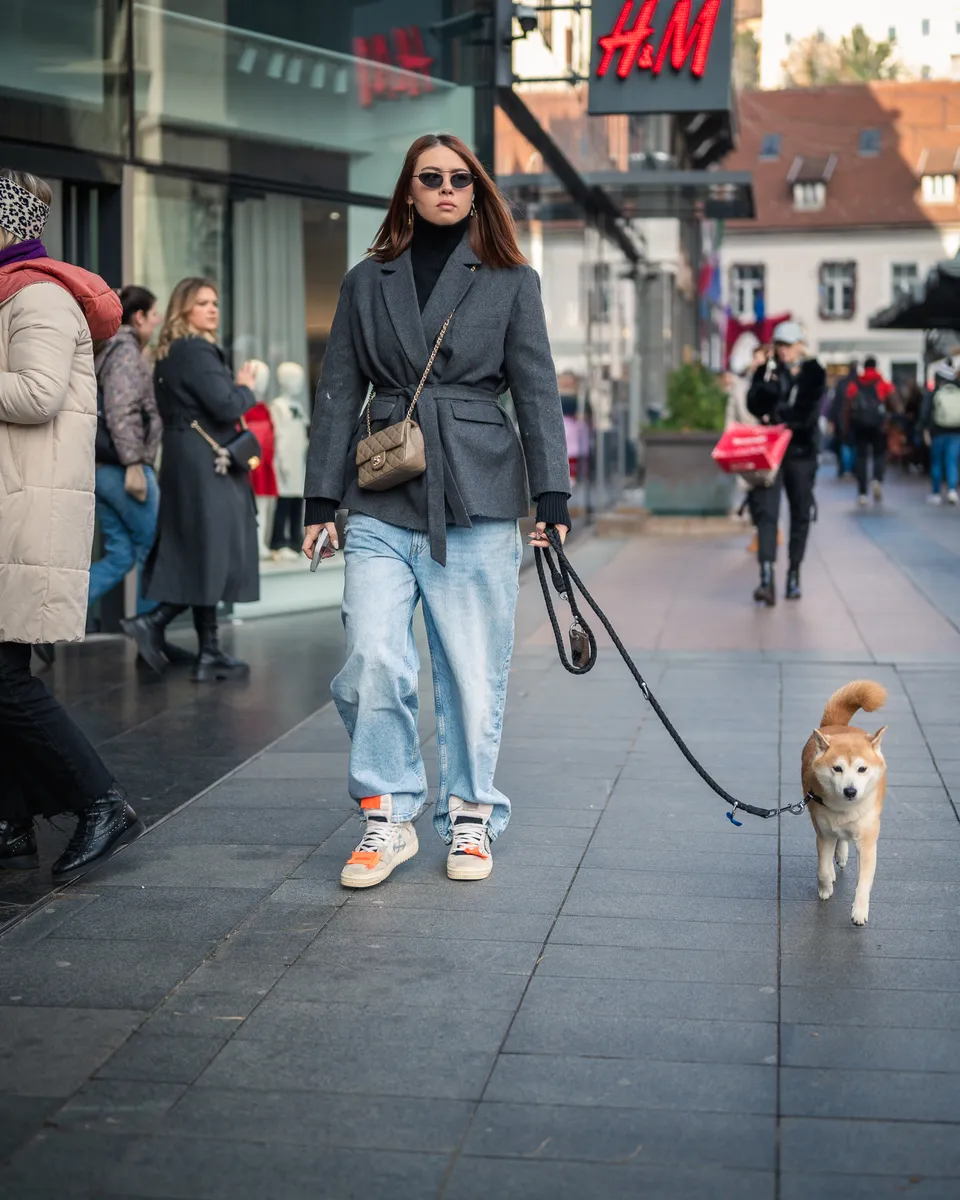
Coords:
pixel 497 340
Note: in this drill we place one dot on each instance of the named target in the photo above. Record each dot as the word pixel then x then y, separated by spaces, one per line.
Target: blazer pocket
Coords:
pixel 486 412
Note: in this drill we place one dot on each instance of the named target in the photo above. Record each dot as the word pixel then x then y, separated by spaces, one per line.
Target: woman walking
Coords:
pixel 128 440
pixel 787 390
pixel 206 546
pixel 49 315
pixel 446 312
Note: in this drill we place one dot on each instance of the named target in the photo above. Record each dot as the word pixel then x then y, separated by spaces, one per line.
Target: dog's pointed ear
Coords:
pixel 823 742
pixel 878 738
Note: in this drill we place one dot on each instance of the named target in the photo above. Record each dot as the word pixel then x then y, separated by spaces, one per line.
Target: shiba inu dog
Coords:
pixel 844 775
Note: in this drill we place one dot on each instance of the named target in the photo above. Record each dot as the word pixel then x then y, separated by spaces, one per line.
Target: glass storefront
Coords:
pixel 257 144
pixel 62 75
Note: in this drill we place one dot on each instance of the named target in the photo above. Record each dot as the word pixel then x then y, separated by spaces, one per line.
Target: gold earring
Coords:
pixel 409 212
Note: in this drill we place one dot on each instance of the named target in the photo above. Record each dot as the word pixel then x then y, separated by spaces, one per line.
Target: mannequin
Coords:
pixel 291 429
pixel 263 478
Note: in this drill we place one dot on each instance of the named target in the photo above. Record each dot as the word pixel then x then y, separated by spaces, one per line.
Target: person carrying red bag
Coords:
pixel 787 390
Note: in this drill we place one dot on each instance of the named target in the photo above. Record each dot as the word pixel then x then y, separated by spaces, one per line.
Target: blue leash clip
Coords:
pixel 730 816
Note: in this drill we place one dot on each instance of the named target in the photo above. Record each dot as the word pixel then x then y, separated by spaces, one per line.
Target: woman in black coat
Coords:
pixel 446 538
pixel 206 546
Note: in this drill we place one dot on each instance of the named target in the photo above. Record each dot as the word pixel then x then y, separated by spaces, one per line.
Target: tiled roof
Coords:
pixel 919 132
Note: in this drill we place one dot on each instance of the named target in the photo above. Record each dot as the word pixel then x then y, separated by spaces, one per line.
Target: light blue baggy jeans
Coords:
pixel 469 608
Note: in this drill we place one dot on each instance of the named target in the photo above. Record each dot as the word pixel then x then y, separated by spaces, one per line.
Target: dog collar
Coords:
pixel 814 797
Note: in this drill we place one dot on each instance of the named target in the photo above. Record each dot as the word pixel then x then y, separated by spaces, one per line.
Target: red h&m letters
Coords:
pixel 680 42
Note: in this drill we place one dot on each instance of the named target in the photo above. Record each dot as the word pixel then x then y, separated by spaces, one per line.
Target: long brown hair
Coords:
pixel 493 234
pixel 176 323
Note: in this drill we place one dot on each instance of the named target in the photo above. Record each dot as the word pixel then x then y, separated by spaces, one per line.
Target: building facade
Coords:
pixel 856 200
pixel 926 39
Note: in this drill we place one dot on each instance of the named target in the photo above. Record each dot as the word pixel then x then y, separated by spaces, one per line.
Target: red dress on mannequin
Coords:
pixel 264 477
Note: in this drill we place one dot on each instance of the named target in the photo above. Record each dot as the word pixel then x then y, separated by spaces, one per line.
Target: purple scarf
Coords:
pixel 22 251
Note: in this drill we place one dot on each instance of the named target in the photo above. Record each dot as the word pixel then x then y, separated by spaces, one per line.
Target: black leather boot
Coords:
pixel 766 592
pixel 147 632
pixel 105 826
pixel 793 591
pixel 18 847
pixel 212 662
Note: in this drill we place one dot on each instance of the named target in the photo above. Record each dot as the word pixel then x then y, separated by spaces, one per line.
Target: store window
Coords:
pixel 278 261
pixel 747 284
pixel 838 290
pixel 62 77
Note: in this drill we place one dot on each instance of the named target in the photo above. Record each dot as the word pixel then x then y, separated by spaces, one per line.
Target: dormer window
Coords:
pixel 939 189
pixel 809 197
pixel 869 142
pixel 808 179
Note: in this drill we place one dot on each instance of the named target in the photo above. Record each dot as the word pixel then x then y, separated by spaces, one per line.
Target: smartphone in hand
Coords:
pixel 318 550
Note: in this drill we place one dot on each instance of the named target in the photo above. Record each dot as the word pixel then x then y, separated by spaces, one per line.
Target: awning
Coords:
pixel 648 192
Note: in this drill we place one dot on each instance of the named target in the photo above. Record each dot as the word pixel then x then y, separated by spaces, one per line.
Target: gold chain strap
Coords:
pixel 214 446
pixel 423 378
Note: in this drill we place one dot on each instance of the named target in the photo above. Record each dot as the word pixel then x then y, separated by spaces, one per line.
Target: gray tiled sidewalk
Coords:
pixel 642 1000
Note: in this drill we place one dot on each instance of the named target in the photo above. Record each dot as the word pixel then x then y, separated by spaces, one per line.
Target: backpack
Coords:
pixel 946 406
pixel 867 410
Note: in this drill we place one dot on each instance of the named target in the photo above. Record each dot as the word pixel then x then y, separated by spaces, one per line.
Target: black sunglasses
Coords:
pixel 434 179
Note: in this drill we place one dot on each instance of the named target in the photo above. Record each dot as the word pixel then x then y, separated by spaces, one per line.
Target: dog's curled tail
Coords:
pixel 843 704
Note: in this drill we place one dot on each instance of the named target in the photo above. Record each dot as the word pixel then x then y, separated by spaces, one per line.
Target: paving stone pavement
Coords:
pixel 641 1001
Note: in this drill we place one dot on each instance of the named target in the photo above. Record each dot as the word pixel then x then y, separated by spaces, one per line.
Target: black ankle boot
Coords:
pixel 793 591
pixel 18 847
pixel 766 592
pixel 147 632
pixel 212 662
pixel 105 826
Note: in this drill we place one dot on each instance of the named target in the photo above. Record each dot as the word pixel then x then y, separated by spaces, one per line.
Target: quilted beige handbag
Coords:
pixel 396 454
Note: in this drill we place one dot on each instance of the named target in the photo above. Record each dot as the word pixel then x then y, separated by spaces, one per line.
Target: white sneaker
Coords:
pixel 384 845
pixel 952 497
pixel 862 501
pixel 470 855
pixel 877 492
pixel 934 498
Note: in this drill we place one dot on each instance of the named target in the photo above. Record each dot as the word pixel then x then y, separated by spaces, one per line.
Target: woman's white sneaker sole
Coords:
pixel 358 876
pixel 473 868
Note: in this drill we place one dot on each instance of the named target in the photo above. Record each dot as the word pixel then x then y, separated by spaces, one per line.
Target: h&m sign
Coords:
pixel 661 56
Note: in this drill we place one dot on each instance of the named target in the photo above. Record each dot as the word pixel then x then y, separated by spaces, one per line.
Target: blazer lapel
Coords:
pixel 400 298
pixel 451 287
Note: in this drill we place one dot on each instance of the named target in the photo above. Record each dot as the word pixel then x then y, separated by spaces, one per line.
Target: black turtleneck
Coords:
pixel 430 248
pixel 432 245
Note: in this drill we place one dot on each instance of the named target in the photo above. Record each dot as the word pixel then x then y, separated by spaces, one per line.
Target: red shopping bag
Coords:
pixel 744 449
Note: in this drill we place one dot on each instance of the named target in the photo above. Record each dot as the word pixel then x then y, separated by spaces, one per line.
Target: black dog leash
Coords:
pixel 583 658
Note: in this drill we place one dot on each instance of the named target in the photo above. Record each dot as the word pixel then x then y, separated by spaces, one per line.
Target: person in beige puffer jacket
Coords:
pixel 50 313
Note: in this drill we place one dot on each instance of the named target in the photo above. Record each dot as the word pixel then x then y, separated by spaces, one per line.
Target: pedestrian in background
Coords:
pixel 787 390
pixel 129 431
pixel 868 406
pixel 206 549
pixel 841 438
pixel 50 313
pixel 448 537
pixel 940 421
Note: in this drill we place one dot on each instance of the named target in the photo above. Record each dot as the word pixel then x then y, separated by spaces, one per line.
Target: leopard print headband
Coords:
pixel 21 212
